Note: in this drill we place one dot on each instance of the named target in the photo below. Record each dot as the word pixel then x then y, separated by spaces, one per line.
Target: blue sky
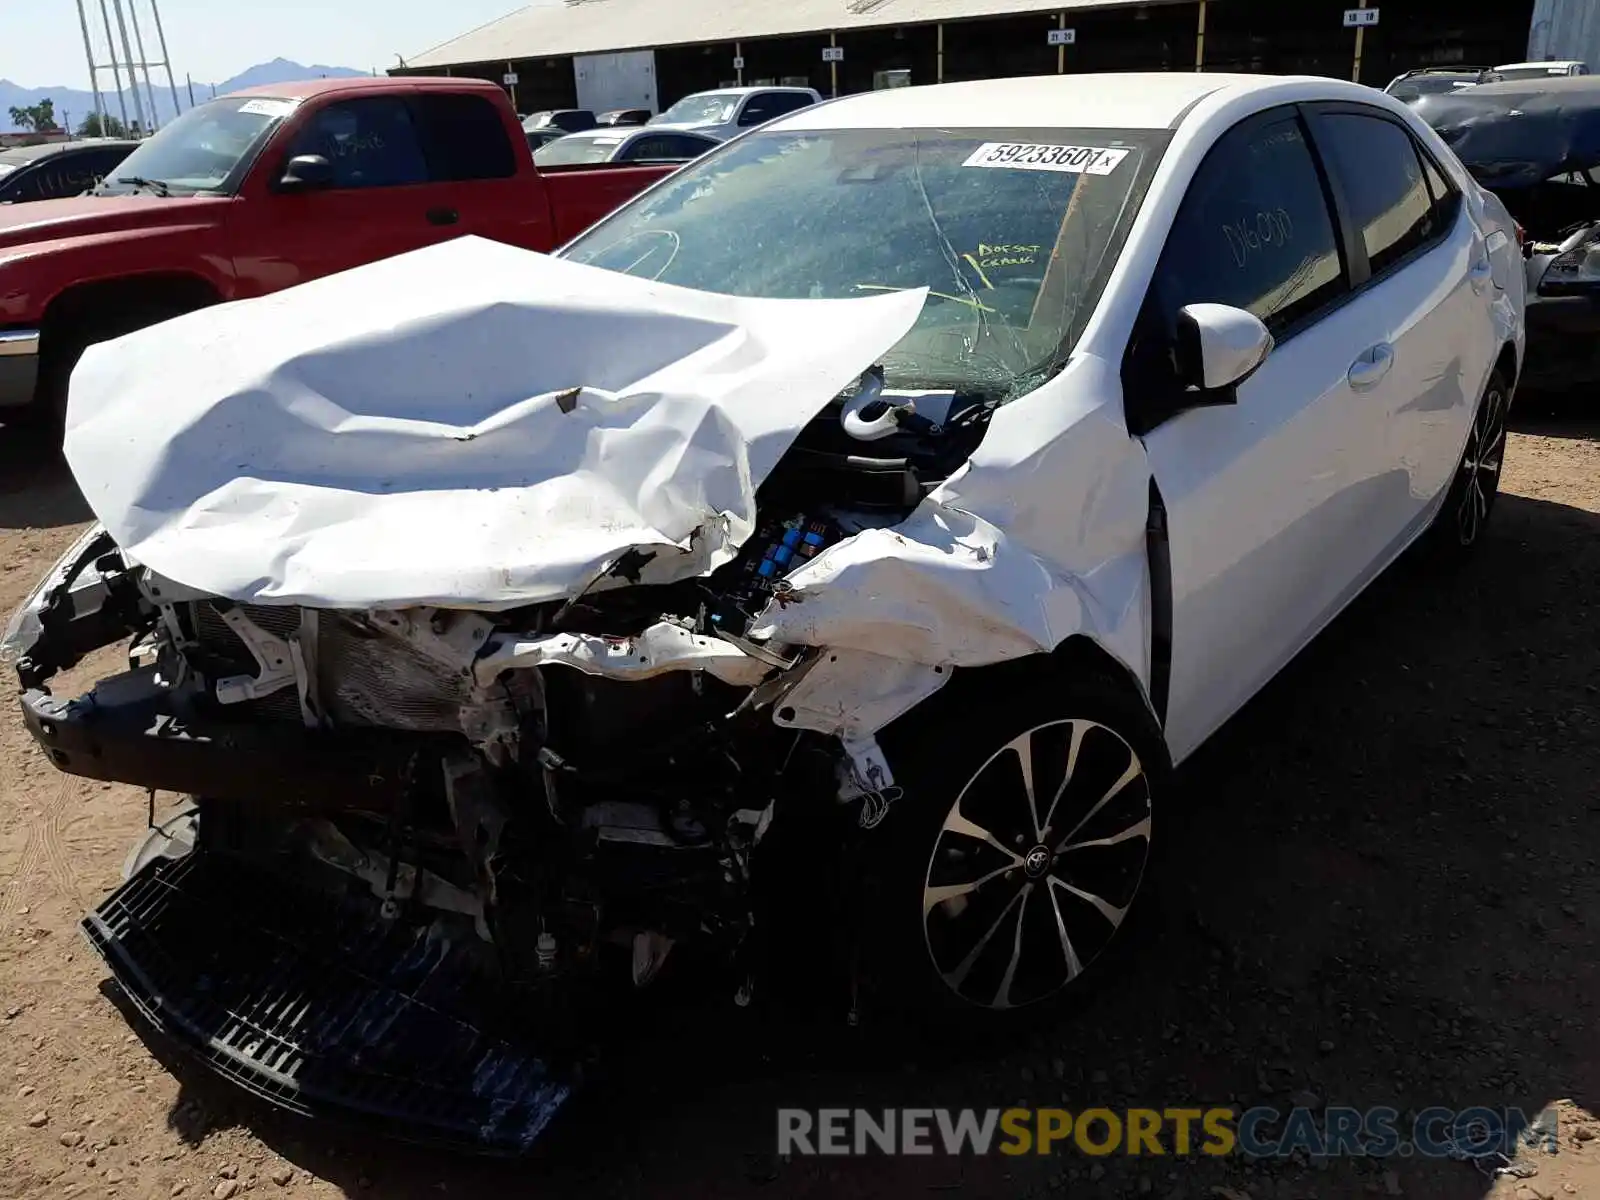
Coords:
pixel 41 43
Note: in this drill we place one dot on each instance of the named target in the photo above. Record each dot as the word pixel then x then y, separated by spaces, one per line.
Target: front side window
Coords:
pixel 1012 231
pixel 1254 231
pixel 1378 170
pixel 203 150
pixel 758 110
pixel 369 143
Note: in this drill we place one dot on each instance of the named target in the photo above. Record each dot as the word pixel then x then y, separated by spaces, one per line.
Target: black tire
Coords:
pixel 957 760
pixel 63 348
pixel 1461 522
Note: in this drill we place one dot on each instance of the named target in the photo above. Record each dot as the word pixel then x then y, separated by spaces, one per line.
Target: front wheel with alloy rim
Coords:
pixel 1464 517
pixel 1017 847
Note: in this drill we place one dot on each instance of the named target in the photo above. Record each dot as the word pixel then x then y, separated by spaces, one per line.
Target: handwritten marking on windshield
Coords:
pixel 1037 156
pixel 990 258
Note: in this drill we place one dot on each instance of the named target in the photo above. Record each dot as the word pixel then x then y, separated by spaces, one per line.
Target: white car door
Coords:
pixel 1268 500
pixel 1420 262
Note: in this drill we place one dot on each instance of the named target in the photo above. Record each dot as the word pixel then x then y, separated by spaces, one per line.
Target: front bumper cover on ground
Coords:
pixel 321 1007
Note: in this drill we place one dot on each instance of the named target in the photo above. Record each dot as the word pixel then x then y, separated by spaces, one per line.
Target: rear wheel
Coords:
pixel 1464 518
pixel 1016 851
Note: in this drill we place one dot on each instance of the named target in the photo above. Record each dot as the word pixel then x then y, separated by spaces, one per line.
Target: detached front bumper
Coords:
pixel 130 728
pixel 19 366
pixel 127 730
pixel 321 1006
pixel 1563 343
pixel 321 1001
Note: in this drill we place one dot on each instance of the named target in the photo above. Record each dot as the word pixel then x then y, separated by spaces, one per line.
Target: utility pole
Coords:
pixel 144 63
pixel 189 80
pixel 116 76
pixel 166 59
pixel 133 79
pixel 94 75
pixel 144 91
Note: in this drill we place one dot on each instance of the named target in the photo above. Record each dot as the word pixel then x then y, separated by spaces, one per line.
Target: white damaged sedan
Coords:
pixel 851 531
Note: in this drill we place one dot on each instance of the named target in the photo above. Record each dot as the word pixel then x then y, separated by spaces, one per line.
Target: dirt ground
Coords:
pixel 1386 896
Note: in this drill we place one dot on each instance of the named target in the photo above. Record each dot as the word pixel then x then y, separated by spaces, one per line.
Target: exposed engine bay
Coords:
pixel 559 793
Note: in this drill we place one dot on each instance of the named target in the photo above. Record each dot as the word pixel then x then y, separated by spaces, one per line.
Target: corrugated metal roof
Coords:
pixel 601 26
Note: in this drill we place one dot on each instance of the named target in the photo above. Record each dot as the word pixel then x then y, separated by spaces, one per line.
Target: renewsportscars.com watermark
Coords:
pixel 1262 1132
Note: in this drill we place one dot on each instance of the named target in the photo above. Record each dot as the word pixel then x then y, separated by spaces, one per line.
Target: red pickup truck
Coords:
pixel 267 188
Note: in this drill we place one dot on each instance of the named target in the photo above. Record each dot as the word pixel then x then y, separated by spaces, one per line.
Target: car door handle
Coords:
pixel 1368 370
pixel 443 216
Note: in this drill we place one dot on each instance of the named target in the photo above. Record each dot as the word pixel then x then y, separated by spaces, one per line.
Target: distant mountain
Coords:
pixel 74 103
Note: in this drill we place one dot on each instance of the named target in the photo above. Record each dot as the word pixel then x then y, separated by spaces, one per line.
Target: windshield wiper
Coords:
pixel 158 186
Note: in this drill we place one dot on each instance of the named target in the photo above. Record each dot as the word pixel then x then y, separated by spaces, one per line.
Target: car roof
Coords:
pixel 29 154
pixel 306 88
pixel 747 91
pixel 1565 89
pixel 1557 65
pixel 1416 71
pixel 1108 100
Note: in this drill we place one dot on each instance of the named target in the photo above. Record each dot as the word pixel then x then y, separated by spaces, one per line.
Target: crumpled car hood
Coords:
pixel 468 425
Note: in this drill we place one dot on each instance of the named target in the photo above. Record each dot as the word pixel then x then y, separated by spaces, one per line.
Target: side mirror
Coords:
pixel 305 172
pixel 1219 347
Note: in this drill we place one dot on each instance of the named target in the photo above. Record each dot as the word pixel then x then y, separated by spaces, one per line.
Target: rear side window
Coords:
pixel 1254 231
pixel 670 147
pixel 1381 175
pixel 369 143
pixel 463 137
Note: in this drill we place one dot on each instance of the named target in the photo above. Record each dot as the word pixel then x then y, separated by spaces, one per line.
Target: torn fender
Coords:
pixel 468 425
pixel 1040 537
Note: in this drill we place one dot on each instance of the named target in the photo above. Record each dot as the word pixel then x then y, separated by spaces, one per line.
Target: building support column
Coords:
pixel 1200 40
pixel 833 67
pixel 938 61
pixel 738 58
pixel 1061 51
pixel 1361 31
pixel 513 87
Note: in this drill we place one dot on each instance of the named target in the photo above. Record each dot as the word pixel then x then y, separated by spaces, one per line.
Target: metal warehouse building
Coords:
pixel 603 54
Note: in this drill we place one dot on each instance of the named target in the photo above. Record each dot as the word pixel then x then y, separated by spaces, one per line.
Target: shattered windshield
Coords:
pixel 1012 232
pixel 200 151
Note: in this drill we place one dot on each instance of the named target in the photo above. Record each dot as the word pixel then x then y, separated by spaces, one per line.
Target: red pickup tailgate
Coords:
pixel 580 196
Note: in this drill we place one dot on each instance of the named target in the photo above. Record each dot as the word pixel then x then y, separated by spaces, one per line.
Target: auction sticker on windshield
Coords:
pixel 1035 156
pixel 267 108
